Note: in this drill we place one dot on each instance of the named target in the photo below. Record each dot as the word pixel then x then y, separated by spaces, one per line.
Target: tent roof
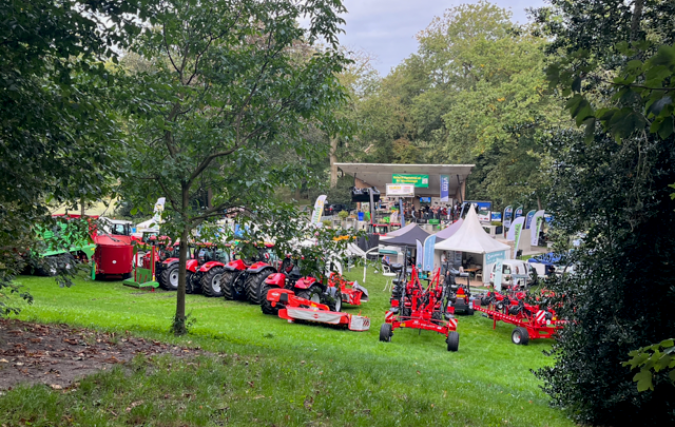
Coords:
pixel 446 233
pixel 471 238
pixel 407 239
pixel 399 232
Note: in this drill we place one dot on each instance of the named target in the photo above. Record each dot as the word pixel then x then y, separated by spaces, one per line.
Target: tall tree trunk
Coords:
pixel 637 17
pixel 82 208
pixel 333 160
pixel 179 320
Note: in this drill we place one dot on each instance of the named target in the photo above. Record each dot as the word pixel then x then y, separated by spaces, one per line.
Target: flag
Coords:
pixel 445 188
pixel 400 207
pixel 536 227
pixel 318 209
pixel 420 255
pixel 428 259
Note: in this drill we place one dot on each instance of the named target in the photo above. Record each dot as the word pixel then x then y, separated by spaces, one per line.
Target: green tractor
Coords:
pixel 64 245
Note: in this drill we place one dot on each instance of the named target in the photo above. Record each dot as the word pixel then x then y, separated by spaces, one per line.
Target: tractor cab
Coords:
pixel 115 227
pixel 207 251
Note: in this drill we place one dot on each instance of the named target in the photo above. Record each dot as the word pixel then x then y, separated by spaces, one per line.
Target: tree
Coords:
pixel 233 84
pixel 56 132
pixel 613 64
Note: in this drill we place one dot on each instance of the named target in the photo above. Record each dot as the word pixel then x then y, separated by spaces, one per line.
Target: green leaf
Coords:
pixel 644 380
pixel 576 84
pixel 666 128
pixel 658 105
pixel 134 211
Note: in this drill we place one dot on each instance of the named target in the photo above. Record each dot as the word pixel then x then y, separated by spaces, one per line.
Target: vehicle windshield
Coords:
pixel 121 229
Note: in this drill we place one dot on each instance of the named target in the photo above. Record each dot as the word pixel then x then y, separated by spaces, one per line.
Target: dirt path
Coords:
pixel 57 355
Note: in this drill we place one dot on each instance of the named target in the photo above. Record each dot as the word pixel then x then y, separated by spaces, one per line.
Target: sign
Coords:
pixel 496 216
pixel 400 190
pixel 419 181
pixel 157 217
pixel 420 255
pixel 508 216
pixel 425 199
pixel 515 232
pixel 498 275
pixel 483 216
pixel 445 188
pixel 536 227
pixel 318 209
pixel 493 257
pixel 429 244
pixel 528 219
pixel 518 213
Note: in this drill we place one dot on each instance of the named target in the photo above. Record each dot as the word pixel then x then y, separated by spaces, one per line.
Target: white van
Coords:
pixel 513 266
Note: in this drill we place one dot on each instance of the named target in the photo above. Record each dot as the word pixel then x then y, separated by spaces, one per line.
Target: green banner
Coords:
pixel 420 181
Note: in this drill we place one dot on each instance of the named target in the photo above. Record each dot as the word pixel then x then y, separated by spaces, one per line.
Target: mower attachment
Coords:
pixel 143 277
pixel 294 308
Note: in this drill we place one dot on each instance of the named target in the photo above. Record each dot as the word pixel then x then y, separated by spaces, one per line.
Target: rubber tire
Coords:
pixel 470 311
pixel 519 336
pixel 165 278
pixel 226 283
pixel 335 304
pixel 266 305
pixel 314 291
pixel 190 288
pixel 453 341
pixel 385 332
pixel 206 282
pixel 254 285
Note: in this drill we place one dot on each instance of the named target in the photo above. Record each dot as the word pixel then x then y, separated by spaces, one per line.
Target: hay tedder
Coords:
pixel 297 309
pixel 530 321
pixel 414 307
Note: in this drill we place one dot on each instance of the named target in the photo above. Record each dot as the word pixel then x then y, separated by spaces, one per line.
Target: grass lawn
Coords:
pixel 270 372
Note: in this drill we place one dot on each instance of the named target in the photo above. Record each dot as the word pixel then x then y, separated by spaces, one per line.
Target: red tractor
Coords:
pixel 243 280
pixel 205 270
pixel 168 274
pixel 417 308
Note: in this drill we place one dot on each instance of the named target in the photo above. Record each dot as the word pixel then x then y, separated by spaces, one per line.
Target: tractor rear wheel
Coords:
pixel 266 305
pixel 453 341
pixel 212 282
pixel 254 286
pixel 226 283
pixel 519 336
pixel 169 278
pixel 385 332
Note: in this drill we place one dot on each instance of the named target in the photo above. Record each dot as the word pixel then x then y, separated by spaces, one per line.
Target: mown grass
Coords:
pixel 283 374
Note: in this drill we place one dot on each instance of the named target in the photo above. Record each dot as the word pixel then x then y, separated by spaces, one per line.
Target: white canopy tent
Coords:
pixel 472 238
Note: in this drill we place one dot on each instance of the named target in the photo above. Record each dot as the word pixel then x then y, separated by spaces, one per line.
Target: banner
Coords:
pixel 400 190
pixel 429 244
pixel 402 212
pixel 518 213
pixel 508 215
pixel 498 275
pixel 528 219
pixel 419 181
pixel 515 233
pixel 496 216
pixel 445 188
pixel 420 255
pixel 318 209
pixel 536 227
pixel 157 217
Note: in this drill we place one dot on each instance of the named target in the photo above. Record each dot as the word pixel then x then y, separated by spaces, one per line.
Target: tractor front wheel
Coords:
pixel 168 279
pixel 335 303
pixel 313 294
pixel 226 282
pixel 453 341
pixel 266 305
pixel 212 282
pixel 385 332
pixel 519 336
pixel 254 286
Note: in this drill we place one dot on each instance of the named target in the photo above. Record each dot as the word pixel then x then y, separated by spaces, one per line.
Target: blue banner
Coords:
pixel 400 207
pixel 445 188
pixel 518 213
pixel 420 255
pixel 428 261
pixel 495 216
pixel 528 219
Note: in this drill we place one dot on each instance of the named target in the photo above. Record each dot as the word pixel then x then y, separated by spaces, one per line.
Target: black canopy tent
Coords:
pixel 407 239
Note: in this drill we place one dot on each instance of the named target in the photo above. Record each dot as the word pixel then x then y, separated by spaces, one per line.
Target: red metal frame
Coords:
pixel 350 295
pixel 421 313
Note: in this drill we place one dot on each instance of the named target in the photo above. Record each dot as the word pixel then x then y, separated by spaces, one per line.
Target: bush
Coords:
pixel 343 215
pixel 618 299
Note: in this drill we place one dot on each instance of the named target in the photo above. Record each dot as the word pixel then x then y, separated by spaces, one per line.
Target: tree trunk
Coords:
pixel 333 161
pixel 179 320
pixel 82 208
pixel 637 17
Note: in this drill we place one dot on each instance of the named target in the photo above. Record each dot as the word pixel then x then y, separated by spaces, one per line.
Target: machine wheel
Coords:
pixel 212 282
pixel 519 336
pixel 226 283
pixel 335 303
pixel 254 286
pixel 313 294
pixel 470 311
pixel 265 305
pixel 190 287
pixel 453 341
pixel 385 332
pixel 127 276
pixel 48 267
pixel 168 279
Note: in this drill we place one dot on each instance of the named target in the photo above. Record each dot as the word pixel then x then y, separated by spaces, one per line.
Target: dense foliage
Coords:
pixel 614 66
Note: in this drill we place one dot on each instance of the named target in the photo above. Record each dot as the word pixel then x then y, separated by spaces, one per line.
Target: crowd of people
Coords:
pixel 436 212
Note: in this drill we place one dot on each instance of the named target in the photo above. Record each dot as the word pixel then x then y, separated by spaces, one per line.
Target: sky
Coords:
pixel 386 28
